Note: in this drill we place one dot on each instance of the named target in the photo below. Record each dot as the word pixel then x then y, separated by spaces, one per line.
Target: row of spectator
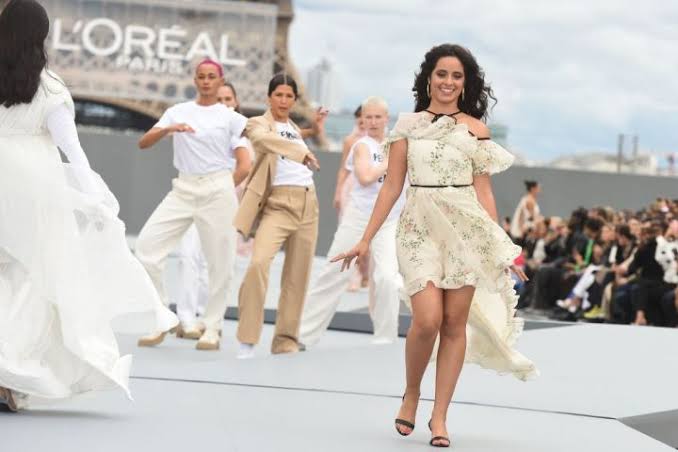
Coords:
pixel 602 265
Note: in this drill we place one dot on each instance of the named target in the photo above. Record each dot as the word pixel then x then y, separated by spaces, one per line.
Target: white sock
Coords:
pixel 245 351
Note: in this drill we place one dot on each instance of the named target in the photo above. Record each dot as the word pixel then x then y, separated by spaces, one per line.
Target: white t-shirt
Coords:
pixel 666 256
pixel 242 142
pixel 210 148
pixel 289 172
pixel 364 197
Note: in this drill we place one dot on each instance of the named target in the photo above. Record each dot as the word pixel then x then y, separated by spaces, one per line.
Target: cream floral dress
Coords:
pixel 445 235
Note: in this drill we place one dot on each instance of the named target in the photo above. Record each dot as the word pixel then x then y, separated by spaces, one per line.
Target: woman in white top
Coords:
pixel 203 133
pixel 66 273
pixel 527 212
pixel 366 164
pixel 193 293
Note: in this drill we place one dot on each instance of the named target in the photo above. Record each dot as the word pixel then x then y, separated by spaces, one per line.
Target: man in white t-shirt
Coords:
pixel 192 289
pixel 367 164
pixel 203 134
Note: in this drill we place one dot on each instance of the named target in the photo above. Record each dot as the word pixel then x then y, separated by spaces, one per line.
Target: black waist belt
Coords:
pixel 440 186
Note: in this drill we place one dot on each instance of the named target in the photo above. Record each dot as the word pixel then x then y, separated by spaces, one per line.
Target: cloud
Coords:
pixel 569 75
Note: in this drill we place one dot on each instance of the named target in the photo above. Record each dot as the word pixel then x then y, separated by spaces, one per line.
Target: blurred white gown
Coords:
pixel 66 273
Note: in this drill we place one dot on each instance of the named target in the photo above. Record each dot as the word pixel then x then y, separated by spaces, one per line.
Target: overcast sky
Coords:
pixel 569 75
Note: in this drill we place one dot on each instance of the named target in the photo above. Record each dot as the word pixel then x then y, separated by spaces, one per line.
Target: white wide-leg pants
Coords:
pixel 329 285
pixel 192 291
pixel 209 202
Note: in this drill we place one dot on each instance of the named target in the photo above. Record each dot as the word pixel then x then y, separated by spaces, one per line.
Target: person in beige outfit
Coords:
pixel 203 132
pixel 279 208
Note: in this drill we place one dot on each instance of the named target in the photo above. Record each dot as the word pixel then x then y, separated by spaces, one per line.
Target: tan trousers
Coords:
pixel 209 201
pixel 290 218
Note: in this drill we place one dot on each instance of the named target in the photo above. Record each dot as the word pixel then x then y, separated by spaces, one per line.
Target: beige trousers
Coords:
pixel 290 218
pixel 209 201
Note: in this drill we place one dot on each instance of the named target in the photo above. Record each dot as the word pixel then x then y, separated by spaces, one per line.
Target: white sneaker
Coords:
pixel 564 304
pixel 246 351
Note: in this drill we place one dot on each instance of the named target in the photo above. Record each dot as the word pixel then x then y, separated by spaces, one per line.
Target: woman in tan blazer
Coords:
pixel 279 208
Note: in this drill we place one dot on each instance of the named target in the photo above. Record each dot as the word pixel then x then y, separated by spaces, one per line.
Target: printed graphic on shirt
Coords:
pixel 378 157
pixel 363 197
pixel 291 135
pixel 289 172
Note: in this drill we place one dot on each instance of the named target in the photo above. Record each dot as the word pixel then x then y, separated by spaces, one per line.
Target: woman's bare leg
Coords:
pixel 451 352
pixel 427 314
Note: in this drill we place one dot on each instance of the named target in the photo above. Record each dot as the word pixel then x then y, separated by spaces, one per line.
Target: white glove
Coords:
pixel 93 211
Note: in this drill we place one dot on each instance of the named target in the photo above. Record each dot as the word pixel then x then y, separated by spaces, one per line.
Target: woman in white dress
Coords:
pixel 454 257
pixel 66 273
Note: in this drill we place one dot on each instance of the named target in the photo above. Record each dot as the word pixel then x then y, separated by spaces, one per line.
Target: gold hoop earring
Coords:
pixel 461 98
pixel 428 88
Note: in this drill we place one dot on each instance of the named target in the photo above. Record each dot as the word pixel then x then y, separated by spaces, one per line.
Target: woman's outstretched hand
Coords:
pixel 357 252
pixel 312 162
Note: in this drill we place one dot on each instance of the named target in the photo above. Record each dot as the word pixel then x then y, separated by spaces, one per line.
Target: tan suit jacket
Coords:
pixel 268 145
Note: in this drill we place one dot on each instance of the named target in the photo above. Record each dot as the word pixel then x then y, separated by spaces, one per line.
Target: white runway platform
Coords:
pixel 602 388
pixel 344 394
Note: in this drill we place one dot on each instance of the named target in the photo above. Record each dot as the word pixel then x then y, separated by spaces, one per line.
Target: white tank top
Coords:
pixel 364 197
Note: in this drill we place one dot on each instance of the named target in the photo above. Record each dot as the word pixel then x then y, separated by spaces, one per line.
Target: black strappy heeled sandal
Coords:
pixel 404 423
pixel 438 438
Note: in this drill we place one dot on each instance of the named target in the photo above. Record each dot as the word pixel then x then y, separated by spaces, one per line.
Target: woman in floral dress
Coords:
pixel 454 257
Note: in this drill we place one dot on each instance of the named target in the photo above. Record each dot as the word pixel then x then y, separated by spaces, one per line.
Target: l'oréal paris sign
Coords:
pixel 138 48
pixel 147 49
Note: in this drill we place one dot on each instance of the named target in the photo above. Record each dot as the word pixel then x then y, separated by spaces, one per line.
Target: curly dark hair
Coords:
pixel 476 91
pixel 24 26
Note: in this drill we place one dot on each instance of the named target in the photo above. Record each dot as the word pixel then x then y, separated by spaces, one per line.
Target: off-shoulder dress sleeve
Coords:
pixel 490 158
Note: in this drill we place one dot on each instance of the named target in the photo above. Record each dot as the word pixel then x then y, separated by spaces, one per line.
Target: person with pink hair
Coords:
pixel 204 133
pixel 192 290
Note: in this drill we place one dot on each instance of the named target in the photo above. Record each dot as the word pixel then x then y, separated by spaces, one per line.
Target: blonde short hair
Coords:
pixel 375 101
